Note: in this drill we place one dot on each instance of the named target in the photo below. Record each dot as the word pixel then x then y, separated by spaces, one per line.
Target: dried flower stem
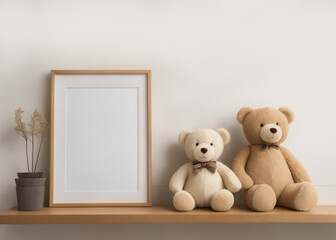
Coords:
pixel 32 161
pixel 27 155
pixel 38 154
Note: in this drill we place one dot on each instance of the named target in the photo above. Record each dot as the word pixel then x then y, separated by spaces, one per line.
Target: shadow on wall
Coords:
pixel 175 158
pixel 235 145
pixel 45 155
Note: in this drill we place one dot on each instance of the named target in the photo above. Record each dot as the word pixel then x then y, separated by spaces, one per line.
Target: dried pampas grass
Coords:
pixel 37 128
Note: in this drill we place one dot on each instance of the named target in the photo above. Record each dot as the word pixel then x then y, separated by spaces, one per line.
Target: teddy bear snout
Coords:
pixel 271 133
pixel 204 150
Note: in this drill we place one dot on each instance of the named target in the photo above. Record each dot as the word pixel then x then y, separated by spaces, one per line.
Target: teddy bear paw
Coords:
pixel 222 201
pixel 183 201
pixel 306 197
pixel 260 198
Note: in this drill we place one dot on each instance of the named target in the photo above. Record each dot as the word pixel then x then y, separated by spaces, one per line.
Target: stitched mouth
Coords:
pixel 271 138
pixel 203 159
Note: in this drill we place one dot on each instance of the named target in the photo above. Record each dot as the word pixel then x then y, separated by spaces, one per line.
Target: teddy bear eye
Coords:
pixel 197 144
pixel 277 123
pixel 211 144
pixel 261 125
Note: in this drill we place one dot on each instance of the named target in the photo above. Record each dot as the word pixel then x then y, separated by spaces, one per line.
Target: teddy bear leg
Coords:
pixel 222 201
pixel 299 196
pixel 260 198
pixel 183 201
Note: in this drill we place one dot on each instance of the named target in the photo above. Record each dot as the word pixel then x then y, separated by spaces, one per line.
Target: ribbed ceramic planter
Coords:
pixel 30 189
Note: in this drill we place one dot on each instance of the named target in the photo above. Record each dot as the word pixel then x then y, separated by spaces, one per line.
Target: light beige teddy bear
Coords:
pixel 204 182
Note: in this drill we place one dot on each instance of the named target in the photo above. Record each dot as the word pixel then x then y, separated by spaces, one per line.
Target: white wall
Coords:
pixel 209 58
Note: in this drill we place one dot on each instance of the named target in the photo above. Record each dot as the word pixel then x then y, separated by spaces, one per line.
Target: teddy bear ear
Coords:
pixel 183 135
pixel 243 113
pixel 224 134
pixel 288 113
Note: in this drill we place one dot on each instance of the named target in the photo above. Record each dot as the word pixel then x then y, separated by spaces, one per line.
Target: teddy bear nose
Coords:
pixel 273 130
pixel 204 150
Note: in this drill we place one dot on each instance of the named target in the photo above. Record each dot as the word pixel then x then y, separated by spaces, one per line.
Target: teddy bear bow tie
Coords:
pixel 210 165
pixel 265 146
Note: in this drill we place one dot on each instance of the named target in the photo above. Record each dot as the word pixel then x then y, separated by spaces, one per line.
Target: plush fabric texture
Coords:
pixel 269 172
pixel 204 182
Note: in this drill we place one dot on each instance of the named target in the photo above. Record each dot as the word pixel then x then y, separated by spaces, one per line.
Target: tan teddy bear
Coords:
pixel 269 172
pixel 204 182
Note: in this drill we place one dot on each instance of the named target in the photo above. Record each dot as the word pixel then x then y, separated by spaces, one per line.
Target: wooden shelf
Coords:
pixel 165 214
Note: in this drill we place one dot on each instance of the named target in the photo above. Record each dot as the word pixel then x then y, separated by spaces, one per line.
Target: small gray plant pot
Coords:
pixel 30 192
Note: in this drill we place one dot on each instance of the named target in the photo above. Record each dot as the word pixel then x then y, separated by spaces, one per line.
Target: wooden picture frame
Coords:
pixel 100 138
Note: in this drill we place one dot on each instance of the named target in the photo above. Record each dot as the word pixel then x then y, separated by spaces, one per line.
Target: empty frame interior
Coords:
pixel 100 138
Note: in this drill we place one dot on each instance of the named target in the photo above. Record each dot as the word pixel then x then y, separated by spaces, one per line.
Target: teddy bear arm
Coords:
pixel 179 178
pixel 238 167
pixel 230 179
pixel 299 173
